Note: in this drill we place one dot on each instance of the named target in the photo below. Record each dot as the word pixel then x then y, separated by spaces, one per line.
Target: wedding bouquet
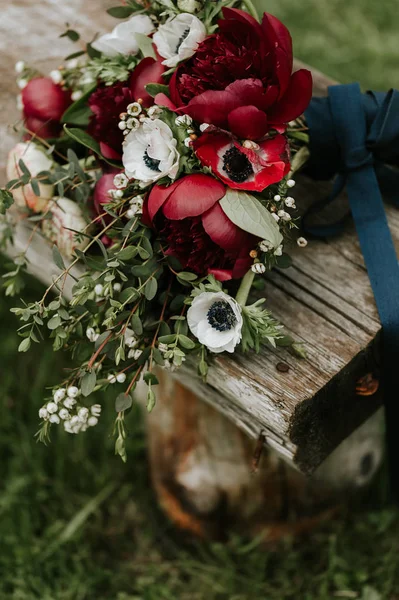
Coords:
pixel 160 161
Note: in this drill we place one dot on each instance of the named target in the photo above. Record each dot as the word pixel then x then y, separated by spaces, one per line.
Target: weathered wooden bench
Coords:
pixel 309 414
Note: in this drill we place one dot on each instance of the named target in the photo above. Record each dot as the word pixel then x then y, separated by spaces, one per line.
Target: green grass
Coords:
pixel 77 524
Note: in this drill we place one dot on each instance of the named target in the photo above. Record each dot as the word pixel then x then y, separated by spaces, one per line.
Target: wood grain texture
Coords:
pixel 324 300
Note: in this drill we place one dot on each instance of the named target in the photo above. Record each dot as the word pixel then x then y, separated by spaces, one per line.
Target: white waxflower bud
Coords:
pixel 22 83
pixel 134 109
pixel 69 403
pixel 277 198
pixel 265 246
pixel 204 127
pixel 131 213
pixel 96 410
pixel 278 251
pixel 19 66
pixel 75 420
pixel 289 202
pixel 154 112
pixel 135 353
pixel 59 394
pixel 302 242
pixel 122 125
pixel 91 334
pixel 284 215
pixel 275 217
pixel 120 181
pixel 83 413
pixel 111 378
pixel 131 341
pixel 64 414
pixel 54 419
pixel 258 268
pixel 98 289
pixel 51 408
pixel 133 123
pixel 56 76
pixel 290 183
pixel 121 377
pixel 72 63
pixel 189 6
pixel 250 145
pixel 117 287
pixel 43 413
pixel 162 347
pixel 92 421
pixel 72 391
pixel 188 142
pixel 76 95
pixel 183 120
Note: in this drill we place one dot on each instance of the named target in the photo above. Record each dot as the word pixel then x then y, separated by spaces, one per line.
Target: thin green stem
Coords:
pixel 251 9
pixel 245 288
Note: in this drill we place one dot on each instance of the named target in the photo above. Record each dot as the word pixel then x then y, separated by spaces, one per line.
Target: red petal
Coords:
pixel 173 89
pixel 158 196
pixel 221 274
pixel 222 231
pixel 195 195
pixel 109 152
pixel 163 100
pixel 147 71
pixel 295 100
pixel 45 100
pixel 248 122
pixel 281 34
pixel 240 15
pixel 243 263
pixel 212 106
pixel 43 129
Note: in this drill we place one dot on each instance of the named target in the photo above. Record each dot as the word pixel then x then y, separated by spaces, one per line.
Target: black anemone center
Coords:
pixel 182 38
pixel 237 165
pixel 151 163
pixel 221 316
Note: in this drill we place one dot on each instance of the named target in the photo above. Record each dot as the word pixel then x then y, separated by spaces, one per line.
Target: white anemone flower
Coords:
pixel 178 38
pixel 150 153
pixel 216 321
pixel 122 39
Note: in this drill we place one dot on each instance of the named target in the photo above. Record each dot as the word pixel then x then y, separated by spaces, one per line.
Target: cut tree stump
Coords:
pixel 306 412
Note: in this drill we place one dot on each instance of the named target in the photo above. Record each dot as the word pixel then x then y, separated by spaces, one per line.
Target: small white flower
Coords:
pixel 92 421
pixel 183 120
pixel 154 112
pixel 216 321
pixel 120 181
pixel 188 142
pixel 69 403
pixel 64 414
pixel 122 125
pixel 265 246
pixel 56 76
pixel 59 394
pixel 131 341
pixel 302 242
pixel 279 251
pixel 54 419
pixel 117 287
pixel 178 38
pixel 258 268
pixel 277 198
pixel 91 334
pixel 43 413
pixel 121 377
pixel 150 152
pixel 111 378
pixel 76 95
pixel 134 109
pixel 162 347
pixel 122 39
pixel 98 289
pixel 72 391
pixel 83 413
pixel 72 63
pixel 95 410
pixel 132 123
pixel 19 66
pixel 135 353
pixel 289 202
pixel 190 6
pixel 22 83
pixel 75 420
pixel 290 183
pixel 284 215
pixel 51 408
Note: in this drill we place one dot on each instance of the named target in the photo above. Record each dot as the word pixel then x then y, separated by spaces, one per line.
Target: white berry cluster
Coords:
pixel 117 377
pixel 132 342
pixel 136 207
pixel 64 408
pixel 130 120
pixel 186 121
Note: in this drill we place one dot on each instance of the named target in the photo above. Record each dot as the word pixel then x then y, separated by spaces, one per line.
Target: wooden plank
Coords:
pixel 324 300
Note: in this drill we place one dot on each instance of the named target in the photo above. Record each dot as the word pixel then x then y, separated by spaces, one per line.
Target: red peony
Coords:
pixel 241 78
pixel 108 102
pixel 188 217
pixel 44 104
pixel 243 168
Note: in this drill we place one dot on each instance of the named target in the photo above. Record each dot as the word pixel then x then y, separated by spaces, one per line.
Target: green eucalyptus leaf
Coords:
pixel 151 288
pixel 24 345
pixel 83 138
pixel 123 402
pixel 88 383
pixel 249 214
pixel 57 258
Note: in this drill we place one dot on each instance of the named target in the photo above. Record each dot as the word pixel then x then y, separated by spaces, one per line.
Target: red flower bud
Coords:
pixel 44 104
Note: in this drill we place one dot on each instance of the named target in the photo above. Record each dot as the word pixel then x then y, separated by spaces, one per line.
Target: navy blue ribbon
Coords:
pixel 355 137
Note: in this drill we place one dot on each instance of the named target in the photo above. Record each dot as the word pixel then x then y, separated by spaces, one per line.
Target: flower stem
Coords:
pixel 251 9
pixel 245 288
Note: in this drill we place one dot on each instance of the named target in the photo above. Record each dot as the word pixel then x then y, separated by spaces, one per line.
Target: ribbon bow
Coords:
pixel 356 136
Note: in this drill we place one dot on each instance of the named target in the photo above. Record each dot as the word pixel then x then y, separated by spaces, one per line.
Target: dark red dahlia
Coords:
pixel 188 217
pixel 241 78
pixel 108 102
